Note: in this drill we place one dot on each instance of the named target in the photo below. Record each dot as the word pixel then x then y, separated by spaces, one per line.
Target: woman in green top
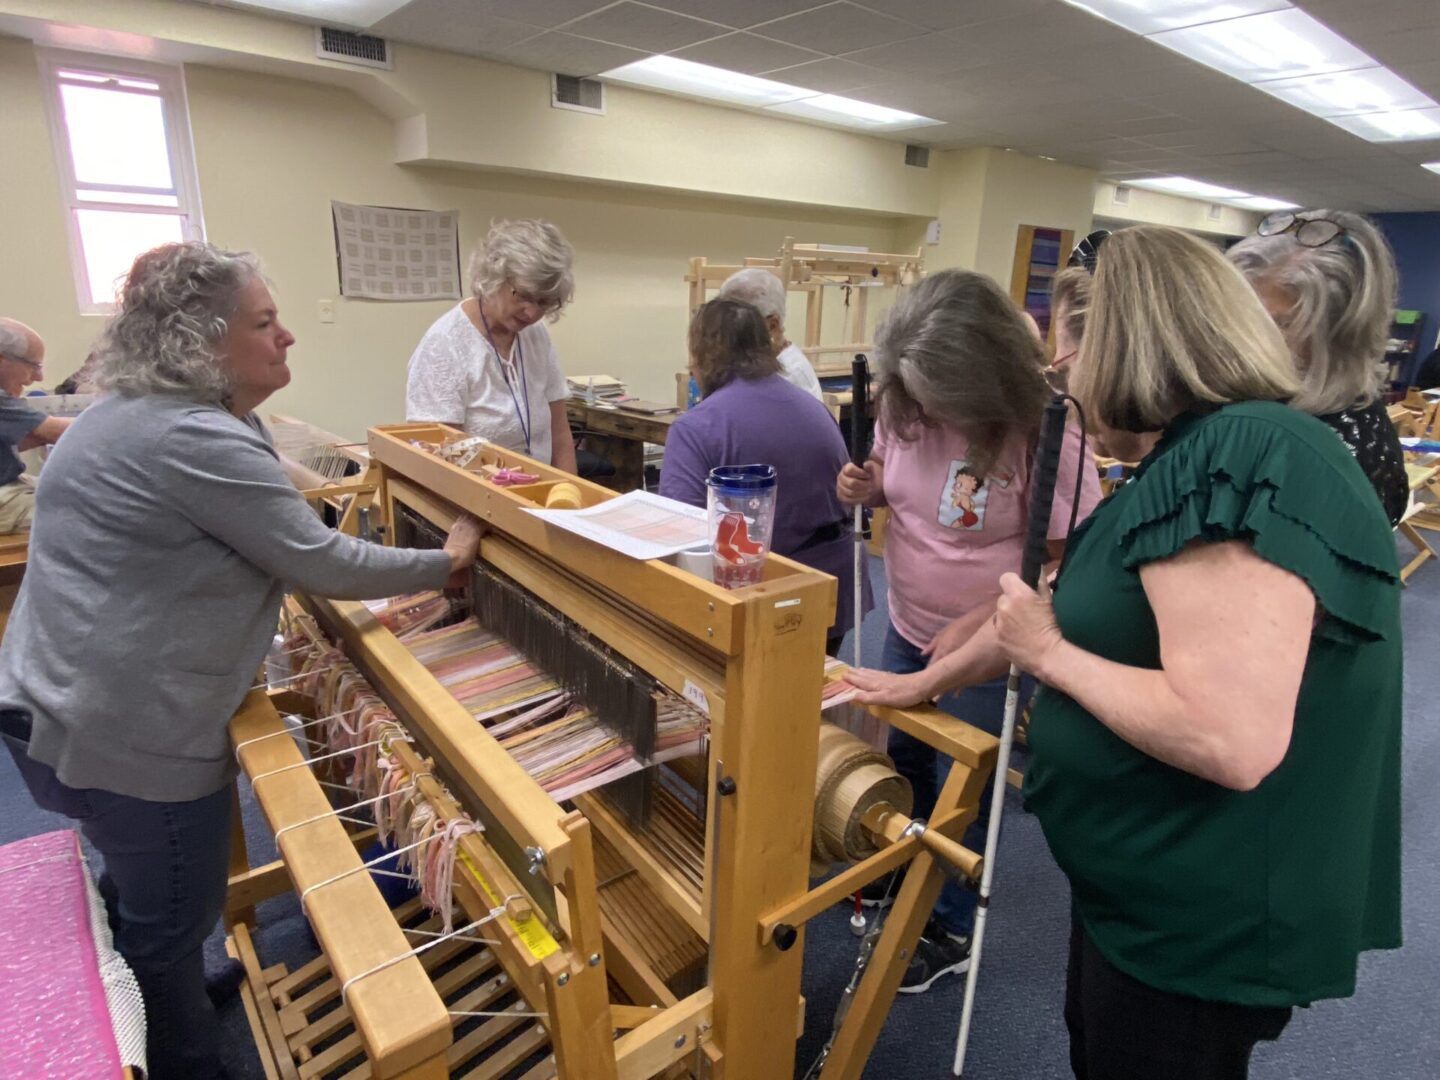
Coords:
pixel 1216 749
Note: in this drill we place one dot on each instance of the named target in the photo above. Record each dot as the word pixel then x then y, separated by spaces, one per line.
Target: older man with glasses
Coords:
pixel 22 362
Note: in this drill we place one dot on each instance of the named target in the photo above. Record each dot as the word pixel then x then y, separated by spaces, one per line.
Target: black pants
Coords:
pixel 1122 1029
pixel 166 867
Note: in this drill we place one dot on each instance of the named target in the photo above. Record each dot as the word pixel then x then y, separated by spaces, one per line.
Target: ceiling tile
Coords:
pixel 637 26
pixel 921 57
pixel 948 14
pixel 538 12
pixel 555 50
pixel 453 25
pixel 747 53
pixel 830 76
pixel 738 13
pixel 840 27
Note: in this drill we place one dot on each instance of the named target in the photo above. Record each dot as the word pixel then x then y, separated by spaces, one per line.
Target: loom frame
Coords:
pixel 755 656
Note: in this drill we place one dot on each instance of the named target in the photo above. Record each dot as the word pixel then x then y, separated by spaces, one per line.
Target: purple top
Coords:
pixel 769 421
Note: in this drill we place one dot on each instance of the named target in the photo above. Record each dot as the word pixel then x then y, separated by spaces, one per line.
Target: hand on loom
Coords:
pixel 462 545
pixel 887 688
pixel 1025 624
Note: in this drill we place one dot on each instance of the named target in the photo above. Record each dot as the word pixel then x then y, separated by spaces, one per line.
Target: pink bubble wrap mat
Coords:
pixel 69 1007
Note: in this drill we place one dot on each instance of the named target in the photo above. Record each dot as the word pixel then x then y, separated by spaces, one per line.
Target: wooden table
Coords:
pixel 619 436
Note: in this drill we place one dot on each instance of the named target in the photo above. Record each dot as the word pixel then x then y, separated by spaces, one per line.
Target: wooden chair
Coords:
pixel 1424 513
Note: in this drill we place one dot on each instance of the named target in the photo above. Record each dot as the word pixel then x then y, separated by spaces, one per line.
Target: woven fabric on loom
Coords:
pixel 555 739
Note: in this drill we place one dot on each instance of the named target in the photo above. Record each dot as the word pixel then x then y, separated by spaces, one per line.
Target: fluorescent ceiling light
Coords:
pixel 675 76
pixel 1433 166
pixel 1393 126
pixel 1276 45
pixel 1153 16
pixel 1183 185
pixel 701 80
pixel 844 110
pixel 1260 202
pixel 344 12
pixel 1375 89
pixel 1200 189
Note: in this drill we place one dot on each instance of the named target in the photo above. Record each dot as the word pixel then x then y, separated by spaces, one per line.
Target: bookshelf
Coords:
pixel 1040 252
pixel 1402 350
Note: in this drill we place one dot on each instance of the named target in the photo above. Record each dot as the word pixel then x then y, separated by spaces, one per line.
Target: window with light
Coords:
pixel 127 172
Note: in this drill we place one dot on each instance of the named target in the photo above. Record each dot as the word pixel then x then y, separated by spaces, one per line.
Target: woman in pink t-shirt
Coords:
pixel 960 391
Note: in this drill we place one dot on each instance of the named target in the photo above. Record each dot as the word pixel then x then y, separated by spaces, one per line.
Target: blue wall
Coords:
pixel 1416 240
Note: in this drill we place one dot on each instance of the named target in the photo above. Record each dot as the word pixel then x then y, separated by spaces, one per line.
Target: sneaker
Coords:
pixel 937 953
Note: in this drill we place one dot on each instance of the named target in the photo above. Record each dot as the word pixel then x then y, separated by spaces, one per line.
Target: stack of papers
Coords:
pixel 599 388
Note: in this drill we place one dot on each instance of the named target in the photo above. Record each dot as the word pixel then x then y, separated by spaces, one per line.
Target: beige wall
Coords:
pixel 986 194
pixel 273 152
pixel 1022 190
pixel 451 109
pixel 1158 208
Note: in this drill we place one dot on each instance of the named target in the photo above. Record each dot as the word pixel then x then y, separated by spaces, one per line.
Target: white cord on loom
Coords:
pixel 271 684
pixel 311 761
pixel 289 730
pixel 371 865
pixel 340 813
pixel 495 913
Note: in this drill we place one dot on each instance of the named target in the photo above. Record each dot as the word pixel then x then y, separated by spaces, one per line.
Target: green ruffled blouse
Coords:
pixel 1265 897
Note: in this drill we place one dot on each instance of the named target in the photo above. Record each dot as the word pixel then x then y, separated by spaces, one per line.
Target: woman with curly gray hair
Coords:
pixel 487 365
pixel 165 534
pixel 1327 277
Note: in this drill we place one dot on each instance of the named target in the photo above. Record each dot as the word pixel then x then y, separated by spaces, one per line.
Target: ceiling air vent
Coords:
pixel 919 156
pixel 351 48
pixel 1121 196
pixel 577 94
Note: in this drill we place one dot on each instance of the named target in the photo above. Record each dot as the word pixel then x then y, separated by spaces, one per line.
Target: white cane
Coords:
pixel 1042 494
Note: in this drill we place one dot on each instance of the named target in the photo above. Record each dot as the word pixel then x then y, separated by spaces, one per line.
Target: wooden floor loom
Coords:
pixel 608 945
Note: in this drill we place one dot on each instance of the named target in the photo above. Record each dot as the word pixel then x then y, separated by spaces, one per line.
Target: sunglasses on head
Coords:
pixel 1309 232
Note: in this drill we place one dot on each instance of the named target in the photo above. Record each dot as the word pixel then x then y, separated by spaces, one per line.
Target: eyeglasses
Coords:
pixel 1309 232
pixel 544 305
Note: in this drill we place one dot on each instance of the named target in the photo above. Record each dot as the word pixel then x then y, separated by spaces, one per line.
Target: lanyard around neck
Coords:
pixel 523 415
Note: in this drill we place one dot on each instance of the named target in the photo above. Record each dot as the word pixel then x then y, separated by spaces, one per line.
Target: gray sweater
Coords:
pixel 165 533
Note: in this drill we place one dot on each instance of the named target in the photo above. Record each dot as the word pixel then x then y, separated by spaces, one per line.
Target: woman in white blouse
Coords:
pixel 488 364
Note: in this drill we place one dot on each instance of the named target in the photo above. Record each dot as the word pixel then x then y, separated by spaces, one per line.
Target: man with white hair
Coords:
pixel 22 362
pixel 762 290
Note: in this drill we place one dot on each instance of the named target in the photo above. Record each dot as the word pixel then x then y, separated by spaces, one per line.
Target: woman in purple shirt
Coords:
pixel 750 415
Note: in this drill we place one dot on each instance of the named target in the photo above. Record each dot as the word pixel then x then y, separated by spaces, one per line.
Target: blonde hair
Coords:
pixel 529 255
pixel 1173 326
pixel 1070 289
pixel 1344 291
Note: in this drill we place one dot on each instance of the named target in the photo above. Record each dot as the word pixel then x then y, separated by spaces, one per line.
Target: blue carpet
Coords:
pixel 1391 1028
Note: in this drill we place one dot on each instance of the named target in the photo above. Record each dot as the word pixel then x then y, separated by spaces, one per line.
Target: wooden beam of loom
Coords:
pixel 403 1023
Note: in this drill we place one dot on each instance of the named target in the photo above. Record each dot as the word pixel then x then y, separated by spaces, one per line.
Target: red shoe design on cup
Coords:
pixel 732 539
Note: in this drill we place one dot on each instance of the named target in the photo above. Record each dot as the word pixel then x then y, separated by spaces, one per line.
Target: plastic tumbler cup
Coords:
pixel 741 503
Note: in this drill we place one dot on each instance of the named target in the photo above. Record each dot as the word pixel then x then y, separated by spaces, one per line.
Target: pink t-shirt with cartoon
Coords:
pixel 952 533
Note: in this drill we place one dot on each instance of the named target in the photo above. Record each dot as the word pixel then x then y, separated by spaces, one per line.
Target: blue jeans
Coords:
pixel 982 706
pixel 166 870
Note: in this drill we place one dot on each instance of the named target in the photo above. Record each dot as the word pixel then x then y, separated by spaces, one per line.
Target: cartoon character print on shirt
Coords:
pixel 965 494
